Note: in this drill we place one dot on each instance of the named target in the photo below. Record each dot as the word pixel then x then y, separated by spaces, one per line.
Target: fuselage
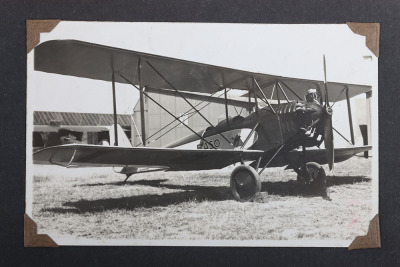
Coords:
pixel 293 124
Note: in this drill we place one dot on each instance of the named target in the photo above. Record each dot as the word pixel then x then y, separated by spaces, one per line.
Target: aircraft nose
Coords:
pixel 311 112
pixel 316 111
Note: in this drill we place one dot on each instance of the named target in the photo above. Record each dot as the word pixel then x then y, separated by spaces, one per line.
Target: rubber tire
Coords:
pixel 254 186
pixel 317 172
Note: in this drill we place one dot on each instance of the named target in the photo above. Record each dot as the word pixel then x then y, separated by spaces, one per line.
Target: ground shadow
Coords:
pixel 340 180
pixel 154 183
pixel 194 193
pixel 293 188
pixel 190 193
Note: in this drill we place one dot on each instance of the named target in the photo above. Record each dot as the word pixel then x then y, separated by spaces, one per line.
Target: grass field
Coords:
pixel 93 203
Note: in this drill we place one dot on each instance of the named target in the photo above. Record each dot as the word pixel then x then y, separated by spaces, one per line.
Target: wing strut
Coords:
pixel 346 88
pixel 114 110
pixel 349 113
pixel 134 125
pixel 226 108
pixel 190 104
pixel 166 110
pixel 342 136
pixel 273 90
pixel 255 96
pixel 250 108
pixel 250 134
pixel 277 95
pixel 141 90
pixel 266 100
pixel 341 92
pixel 186 113
pixel 291 90
pixel 283 91
pixel 273 110
pixel 273 156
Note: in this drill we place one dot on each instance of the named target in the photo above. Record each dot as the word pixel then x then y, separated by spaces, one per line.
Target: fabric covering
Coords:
pixel 93 61
pixel 76 155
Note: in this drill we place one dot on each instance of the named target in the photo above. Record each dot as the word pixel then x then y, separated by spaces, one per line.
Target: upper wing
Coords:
pixel 87 60
pixel 112 156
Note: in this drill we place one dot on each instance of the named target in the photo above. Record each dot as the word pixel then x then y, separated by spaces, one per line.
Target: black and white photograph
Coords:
pixel 202 134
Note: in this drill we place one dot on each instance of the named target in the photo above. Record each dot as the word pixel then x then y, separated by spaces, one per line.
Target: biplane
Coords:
pixel 289 118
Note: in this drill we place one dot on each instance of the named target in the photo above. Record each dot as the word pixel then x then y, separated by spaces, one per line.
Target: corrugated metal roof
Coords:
pixel 78 119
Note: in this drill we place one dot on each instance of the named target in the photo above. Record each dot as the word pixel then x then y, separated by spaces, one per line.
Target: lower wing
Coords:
pixel 319 155
pixel 75 155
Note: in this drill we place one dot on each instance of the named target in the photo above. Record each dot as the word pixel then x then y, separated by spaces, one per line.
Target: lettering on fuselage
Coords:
pixel 235 137
pixel 210 144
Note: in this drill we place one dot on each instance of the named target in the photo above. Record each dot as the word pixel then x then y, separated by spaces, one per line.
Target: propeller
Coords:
pixel 328 129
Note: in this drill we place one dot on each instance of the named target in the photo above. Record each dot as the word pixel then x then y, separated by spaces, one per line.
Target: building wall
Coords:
pixel 156 118
pixel 87 128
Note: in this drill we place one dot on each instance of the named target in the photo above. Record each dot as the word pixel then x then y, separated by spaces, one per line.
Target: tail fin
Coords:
pixel 122 138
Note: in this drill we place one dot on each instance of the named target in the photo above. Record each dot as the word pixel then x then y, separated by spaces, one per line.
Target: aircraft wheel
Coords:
pixel 317 176
pixel 245 183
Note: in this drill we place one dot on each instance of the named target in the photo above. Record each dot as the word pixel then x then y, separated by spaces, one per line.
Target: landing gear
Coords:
pixel 245 183
pixel 314 175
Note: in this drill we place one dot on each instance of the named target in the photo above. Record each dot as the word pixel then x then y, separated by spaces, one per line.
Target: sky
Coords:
pixel 285 50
